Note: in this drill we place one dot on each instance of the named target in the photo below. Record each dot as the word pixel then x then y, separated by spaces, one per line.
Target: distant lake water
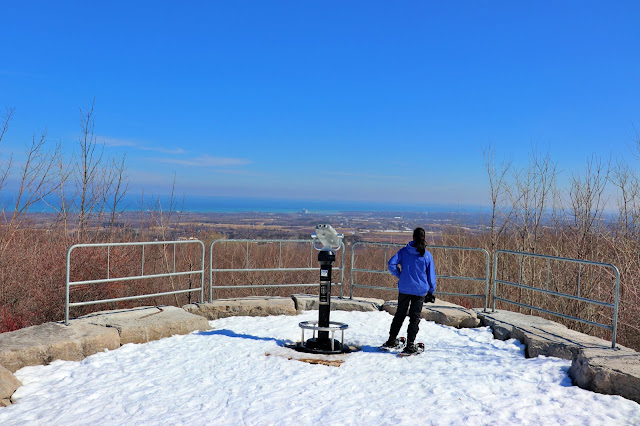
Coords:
pixel 270 205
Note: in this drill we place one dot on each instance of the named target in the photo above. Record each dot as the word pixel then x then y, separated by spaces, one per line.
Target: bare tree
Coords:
pixel 497 188
pixel 87 168
pixel 530 196
pixel 34 181
pixel 118 189
pixel 101 182
pixel 586 196
pixel 64 204
pixel 4 171
pixel 628 184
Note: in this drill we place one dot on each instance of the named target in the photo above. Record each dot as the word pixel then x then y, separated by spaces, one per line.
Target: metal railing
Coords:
pixel 521 255
pixel 142 275
pixel 439 267
pixel 280 268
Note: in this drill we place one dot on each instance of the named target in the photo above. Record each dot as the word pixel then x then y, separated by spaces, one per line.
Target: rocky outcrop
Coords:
pixel 141 325
pixel 8 385
pixel 541 336
pixel 309 302
pixel 246 306
pixel 595 365
pixel 442 312
pixel 612 372
pixel 42 344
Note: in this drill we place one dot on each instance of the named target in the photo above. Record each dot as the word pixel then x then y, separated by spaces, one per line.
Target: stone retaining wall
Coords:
pixel 594 365
pixel 247 306
pixel 608 371
pixel 44 343
pixel 442 312
pixel 141 325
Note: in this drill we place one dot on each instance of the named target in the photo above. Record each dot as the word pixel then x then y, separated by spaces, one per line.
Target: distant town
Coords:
pixel 395 227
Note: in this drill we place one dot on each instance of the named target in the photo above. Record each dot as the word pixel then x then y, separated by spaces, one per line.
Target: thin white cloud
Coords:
pixel 206 161
pixel 115 142
pixel 367 176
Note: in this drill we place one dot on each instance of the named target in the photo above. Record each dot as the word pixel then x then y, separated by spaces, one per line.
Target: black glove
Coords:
pixel 430 298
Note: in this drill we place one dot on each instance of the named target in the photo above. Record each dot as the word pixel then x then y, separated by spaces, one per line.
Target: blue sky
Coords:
pixel 359 100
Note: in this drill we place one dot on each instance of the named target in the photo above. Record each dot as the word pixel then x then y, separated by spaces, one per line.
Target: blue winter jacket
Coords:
pixel 417 274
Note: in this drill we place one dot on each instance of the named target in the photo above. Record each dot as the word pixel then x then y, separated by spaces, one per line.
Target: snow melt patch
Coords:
pixel 222 376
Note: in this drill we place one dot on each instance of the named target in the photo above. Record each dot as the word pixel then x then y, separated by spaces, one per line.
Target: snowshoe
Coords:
pixel 412 350
pixel 394 345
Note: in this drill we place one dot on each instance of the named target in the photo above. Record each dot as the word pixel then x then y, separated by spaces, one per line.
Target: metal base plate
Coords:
pixel 310 346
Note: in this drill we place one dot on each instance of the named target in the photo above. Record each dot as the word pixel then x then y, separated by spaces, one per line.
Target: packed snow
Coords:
pixel 223 376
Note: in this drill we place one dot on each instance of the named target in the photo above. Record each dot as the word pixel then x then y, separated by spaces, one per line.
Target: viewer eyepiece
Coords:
pixel 327 236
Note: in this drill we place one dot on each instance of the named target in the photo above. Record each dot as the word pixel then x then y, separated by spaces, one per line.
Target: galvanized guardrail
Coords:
pixel 142 275
pixel 521 255
pixel 247 265
pixel 484 296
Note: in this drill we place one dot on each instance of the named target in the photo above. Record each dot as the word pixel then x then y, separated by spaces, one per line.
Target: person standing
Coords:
pixel 416 272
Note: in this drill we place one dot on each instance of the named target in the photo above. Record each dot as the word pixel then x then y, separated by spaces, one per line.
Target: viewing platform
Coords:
pixel 595 365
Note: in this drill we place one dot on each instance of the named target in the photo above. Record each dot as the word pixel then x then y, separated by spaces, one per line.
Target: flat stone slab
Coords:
pixel 612 372
pixel 442 312
pixel 541 336
pixel 333 360
pixel 309 302
pixel 245 306
pixel 44 343
pixel 144 324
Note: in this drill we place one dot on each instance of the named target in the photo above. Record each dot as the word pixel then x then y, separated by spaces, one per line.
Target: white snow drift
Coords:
pixel 222 376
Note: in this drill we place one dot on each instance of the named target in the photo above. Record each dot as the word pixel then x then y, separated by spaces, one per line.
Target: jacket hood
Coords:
pixel 412 249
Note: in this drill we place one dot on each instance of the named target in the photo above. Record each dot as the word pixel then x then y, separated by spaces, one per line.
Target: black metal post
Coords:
pixel 326 257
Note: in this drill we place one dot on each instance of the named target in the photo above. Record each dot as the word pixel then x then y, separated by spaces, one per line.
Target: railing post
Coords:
pixel 520 269
pixel 342 271
pixel 579 277
pixel 486 278
pixel 615 309
pixel 495 271
pixel 548 268
pixel 353 256
pixel 211 271
pixel 66 303
pixel 202 274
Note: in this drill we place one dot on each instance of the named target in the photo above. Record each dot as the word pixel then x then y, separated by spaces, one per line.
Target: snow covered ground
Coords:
pixel 223 377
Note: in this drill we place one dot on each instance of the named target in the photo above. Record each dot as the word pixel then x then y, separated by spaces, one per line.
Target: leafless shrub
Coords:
pixel 498 191
pixel 530 196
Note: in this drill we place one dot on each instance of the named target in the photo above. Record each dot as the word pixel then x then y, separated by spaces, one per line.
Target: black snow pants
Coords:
pixel 412 304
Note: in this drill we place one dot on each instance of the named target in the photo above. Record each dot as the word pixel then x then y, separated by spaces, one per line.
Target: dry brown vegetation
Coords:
pixel 529 213
pixel 533 214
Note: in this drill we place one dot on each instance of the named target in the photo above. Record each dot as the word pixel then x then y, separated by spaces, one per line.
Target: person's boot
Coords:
pixel 410 348
pixel 393 343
